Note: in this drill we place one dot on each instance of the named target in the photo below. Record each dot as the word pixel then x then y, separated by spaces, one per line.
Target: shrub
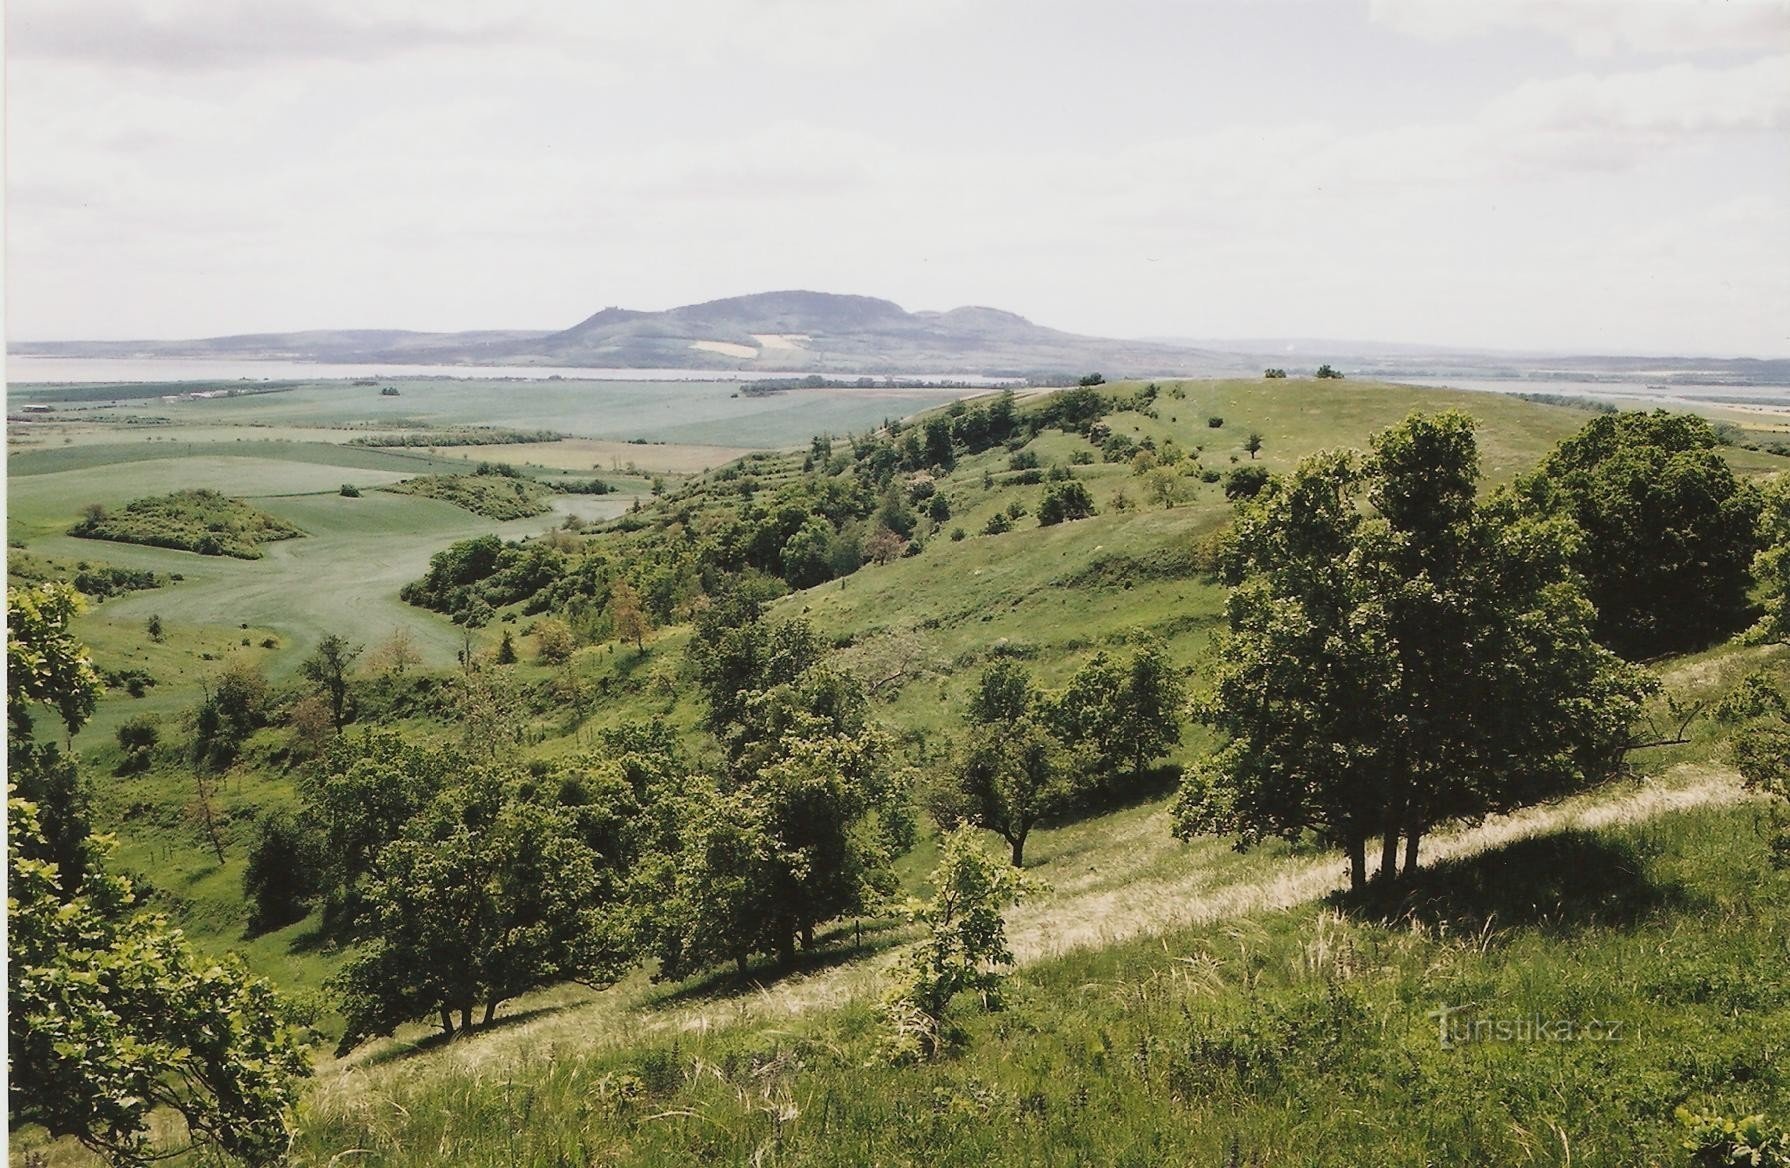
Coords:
pixel 1065 501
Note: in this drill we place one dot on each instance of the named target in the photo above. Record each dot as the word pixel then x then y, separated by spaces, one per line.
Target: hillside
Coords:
pixel 774 331
pixel 1174 1002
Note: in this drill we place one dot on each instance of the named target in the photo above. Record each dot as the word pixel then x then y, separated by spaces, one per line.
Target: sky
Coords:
pixel 1565 175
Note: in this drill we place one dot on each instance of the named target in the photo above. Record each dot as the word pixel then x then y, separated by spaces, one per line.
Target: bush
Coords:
pixel 1065 501
pixel 1246 482
pixel 998 525
pixel 1215 422
pixel 349 491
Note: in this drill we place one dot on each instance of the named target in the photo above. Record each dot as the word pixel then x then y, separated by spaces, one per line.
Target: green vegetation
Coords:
pixel 495 491
pixel 111 1016
pixel 96 582
pixel 202 521
pixel 737 752
pixel 459 436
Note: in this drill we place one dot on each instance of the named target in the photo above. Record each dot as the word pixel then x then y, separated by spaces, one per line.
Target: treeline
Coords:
pixel 464 436
pixel 97 582
pixel 494 490
pixel 770 385
pixel 867 498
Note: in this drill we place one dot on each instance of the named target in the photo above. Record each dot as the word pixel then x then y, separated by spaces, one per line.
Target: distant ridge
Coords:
pixel 795 330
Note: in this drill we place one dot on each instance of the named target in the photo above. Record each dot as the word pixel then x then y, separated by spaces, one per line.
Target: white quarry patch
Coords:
pixel 725 348
pixel 780 340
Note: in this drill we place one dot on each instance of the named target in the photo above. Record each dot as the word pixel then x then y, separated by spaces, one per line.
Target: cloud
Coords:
pixel 200 35
pixel 1599 28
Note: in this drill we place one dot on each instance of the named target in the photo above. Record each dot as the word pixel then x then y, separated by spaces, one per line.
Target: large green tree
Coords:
pixel 1012 768
pixel 489 891
pixel 328 668
pixel 1669 531
pixel 1387 668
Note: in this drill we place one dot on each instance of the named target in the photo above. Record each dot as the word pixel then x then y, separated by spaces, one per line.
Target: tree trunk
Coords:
pixel 465 1017
pixel 807 937
pixel 1389 855
pixel 786 946
pixel 1413 834
pixel 1357 863
pixel 447 1022
pixel 490 1012
pixel 739 962
pixel 1019 850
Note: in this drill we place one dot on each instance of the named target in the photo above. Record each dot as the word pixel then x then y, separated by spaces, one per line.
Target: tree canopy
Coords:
pixel 1668 530
pixel 1390 669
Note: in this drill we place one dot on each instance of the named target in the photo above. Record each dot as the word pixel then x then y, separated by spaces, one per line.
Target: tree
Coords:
pixel 397 652
pixel 1385 673
pixel 1012 768
pixel 110 1015
pixel 311 724
pixel 506 649
pixel 1091 379
pixel 1165 486
pixel 46 665
pixel 489 891
pixel 1273 374
pixel 1120 718
pixel 281 878
pixel 138 738
pixel 1065 501
pixel 1245 482
pixel 806 555
pixel 1253 444
pixel 356 803
pixel 1772 565
pixel 553 641
pixel 328 666
pixel 1668 531
pixel 964 948
pixel 627 618
pixel 1327 373
pixel 1762 755
pixel 154 628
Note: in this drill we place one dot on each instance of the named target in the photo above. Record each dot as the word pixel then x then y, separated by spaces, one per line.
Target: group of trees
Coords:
pixel 1030 755
pixel 1426 658
pixel 1403 652
pixel 112 1016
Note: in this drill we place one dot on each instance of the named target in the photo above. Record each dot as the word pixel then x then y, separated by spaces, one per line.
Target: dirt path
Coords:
pixel 1061 921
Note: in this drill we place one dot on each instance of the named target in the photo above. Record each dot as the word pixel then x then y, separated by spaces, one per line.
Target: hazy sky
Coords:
pixel 1568 174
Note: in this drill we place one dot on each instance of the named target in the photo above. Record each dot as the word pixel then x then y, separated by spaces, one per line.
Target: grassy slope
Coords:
pixel 963 597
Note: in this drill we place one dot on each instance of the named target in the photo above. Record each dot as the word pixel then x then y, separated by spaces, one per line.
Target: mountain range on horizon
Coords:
pixel 806 332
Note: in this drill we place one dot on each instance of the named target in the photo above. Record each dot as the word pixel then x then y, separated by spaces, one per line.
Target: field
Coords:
pixel 1176 1002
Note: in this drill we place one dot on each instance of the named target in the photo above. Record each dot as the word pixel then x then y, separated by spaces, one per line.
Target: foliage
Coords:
pixel 1668 531
pixel 1012 768
pixel 1327 373
pixel 1253 443
pixel 1245 482
pixel 1772 565
pixel 1273 374
pixel 282 877
pixel 553 641
pixel 1716 1141
pixel 110 1014
pixel 493 495
pixel 138 738
pixel 328 667
pixel 1065 501
pixel 202 521
pixel 236 705
pixel 490 890
pixel 964 947
pixel 628 620
pixel 1345 687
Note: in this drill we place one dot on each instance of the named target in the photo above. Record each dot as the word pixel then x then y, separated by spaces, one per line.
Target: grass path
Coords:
pixel 1139 885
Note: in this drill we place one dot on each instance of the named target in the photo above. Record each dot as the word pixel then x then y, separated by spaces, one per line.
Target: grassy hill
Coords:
pixel 495 496
pixel 1176 1002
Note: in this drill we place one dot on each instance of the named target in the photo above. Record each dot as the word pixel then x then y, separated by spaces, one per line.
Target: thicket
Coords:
pixel 202 521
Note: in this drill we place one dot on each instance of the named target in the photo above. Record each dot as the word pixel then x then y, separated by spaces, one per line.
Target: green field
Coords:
pixel 1175 1002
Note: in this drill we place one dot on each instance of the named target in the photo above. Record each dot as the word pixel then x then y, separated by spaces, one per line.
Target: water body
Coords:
pixel 29 370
